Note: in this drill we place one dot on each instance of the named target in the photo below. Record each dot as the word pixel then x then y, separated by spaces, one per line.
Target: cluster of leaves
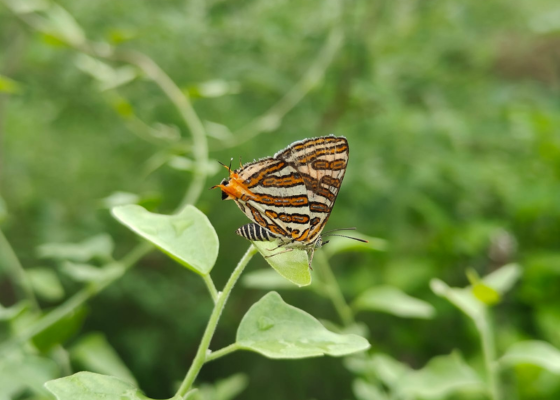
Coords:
pixel 451 110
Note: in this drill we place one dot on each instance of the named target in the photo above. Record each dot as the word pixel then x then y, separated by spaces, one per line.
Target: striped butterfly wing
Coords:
pixel 321 163
pixel 278 198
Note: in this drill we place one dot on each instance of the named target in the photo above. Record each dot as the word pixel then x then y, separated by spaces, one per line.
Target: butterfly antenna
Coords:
pixel 341 229
pixel 348 237
pixel 240 165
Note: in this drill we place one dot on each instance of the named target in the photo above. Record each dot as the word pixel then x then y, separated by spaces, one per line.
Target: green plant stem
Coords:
pixel 211 287
pixel 332 289
pixel 17 271
pixel 489 352
pixel 75 301
pixel 202 352
pixel 222 352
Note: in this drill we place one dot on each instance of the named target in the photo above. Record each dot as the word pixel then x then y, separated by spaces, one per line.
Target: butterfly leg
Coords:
pixel 310 254
pixel 279 246
pixel 281 252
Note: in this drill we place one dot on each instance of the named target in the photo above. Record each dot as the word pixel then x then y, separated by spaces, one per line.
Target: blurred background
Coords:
pixel 452 112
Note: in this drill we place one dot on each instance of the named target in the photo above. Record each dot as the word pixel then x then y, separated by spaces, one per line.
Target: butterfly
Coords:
pixel 290 196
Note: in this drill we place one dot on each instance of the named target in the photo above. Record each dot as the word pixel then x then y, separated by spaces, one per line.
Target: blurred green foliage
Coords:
pixel 452 112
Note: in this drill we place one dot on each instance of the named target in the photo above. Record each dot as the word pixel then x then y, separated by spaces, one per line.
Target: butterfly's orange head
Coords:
pixel 233 187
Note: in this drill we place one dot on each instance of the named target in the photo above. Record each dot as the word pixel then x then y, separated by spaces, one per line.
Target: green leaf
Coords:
pixel 388 370
pixel 188 237
pixel 27 6
pixel 99 246
pixel 90 386
pixel 8 85
pixel 504 278
pixel 107 76
pixel 364 390
pixel 120 199
pixel 224 389
pixel 63 26
pixel 213 88
pixel 95 353
pixel 292 265
pixel 393 301
pixel 277 330
pixel 338 245
pixel 463 299
pixel 485 294
pixel 265 279
pixel 441 377
pixel 533 352
pixel 19 371
pixel 91 273
pixel 378 366
pixel 45 283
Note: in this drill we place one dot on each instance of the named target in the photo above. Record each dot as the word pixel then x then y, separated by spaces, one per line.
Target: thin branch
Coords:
pixel 202 352
pixel 222 352
pixel 211 287
pixel 332 290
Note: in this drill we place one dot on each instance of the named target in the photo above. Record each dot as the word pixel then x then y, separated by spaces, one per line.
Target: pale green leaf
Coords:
pixel 90 386
pixel 214 88
pixel 90 273
pixel 388 370
pixel 357 328
pixel 338 245
pixel 45 283
pixel 99 246
pixel 63 26
pixel 503 278
pixel 277 330
pixel 533 352
pixel 224 389
pixel 266 279
pixel 441 377
pixel 393 301
pixel 463 299
pixel 188 237
pixel 378 366
pixel 27 6
pixel 364 390
pixel 107 76
pixel 20 371
pixel 120 199
pixel 217 131
pixel 292 265
pixel 95 353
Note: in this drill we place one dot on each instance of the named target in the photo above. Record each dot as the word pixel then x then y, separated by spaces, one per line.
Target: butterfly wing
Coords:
pixel 321 163
pixel 278 197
